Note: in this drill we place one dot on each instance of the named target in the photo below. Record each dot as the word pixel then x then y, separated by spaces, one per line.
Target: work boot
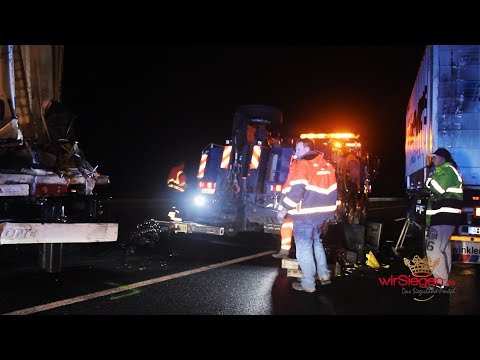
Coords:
pixel 282 254
pixel 325 280
pixel 298 286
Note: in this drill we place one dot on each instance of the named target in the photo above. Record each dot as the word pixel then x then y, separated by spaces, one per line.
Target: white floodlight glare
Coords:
pixel 199 200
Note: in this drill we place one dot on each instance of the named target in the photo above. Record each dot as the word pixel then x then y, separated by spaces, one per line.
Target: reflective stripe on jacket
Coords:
pixel 445 202
pixel 286 233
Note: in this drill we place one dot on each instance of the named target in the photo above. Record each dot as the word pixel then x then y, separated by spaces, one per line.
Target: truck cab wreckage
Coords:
pixel 49 192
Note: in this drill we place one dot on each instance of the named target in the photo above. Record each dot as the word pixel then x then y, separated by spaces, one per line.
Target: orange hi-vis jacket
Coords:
pixel 177 179
pixel 311 191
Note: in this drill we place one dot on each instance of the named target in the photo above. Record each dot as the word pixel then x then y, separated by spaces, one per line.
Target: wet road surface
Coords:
pixel 212 275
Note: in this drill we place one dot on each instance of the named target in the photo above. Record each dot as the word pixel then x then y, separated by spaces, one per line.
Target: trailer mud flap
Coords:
pixel 465 249
pixel 36 233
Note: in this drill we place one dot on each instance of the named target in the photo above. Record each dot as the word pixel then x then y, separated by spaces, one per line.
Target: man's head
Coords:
pixel 302 147
pixel 440 156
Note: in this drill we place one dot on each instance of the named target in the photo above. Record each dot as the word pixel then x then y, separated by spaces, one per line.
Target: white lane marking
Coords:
pixel 65 302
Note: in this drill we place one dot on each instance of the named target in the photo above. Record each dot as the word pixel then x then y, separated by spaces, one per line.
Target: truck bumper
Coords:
pixel 272 228
pixel 188 227
pixel 38 233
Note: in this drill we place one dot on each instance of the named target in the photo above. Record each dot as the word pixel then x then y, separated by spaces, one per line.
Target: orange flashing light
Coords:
pixel 329 136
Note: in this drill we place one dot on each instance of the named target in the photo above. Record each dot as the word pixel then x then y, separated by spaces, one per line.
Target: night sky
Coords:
pixel 140 107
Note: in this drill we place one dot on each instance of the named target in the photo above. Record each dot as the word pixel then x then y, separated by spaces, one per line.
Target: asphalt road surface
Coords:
pixel 217 275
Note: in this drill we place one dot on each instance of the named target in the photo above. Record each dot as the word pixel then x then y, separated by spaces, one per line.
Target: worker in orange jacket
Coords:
pixel 177 179
pixel 310 201
pixel 177 184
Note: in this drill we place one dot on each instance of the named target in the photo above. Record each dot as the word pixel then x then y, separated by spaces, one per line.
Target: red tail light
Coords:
pixel 206 185
pixel 276 187
pixel 51 189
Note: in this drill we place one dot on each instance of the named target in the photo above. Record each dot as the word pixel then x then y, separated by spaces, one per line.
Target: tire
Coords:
pixel 231 232
pixel 270 114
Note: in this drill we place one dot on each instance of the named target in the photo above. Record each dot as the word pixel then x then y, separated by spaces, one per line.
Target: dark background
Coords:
pixel 140 107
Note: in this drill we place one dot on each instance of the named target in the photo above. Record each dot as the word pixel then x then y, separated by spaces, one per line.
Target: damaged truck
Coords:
pixel 50 194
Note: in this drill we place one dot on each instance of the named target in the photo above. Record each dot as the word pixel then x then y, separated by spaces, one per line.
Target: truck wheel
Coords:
pixel 231 232
pixel 271 114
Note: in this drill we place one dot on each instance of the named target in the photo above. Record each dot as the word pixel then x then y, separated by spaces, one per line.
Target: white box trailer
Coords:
pixel 444 111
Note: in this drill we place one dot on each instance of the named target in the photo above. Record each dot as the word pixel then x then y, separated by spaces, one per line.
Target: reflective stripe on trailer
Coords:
pixel 465 258
pixel 203 165
pixel 227 150
pixel 257 151
pixel 465 238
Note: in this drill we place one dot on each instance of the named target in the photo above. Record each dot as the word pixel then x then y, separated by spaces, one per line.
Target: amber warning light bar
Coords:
pixel 329 136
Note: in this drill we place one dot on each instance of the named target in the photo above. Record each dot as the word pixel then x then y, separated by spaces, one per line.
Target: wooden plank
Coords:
pixel 288 263
pixel 294 273
pixel 297 273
